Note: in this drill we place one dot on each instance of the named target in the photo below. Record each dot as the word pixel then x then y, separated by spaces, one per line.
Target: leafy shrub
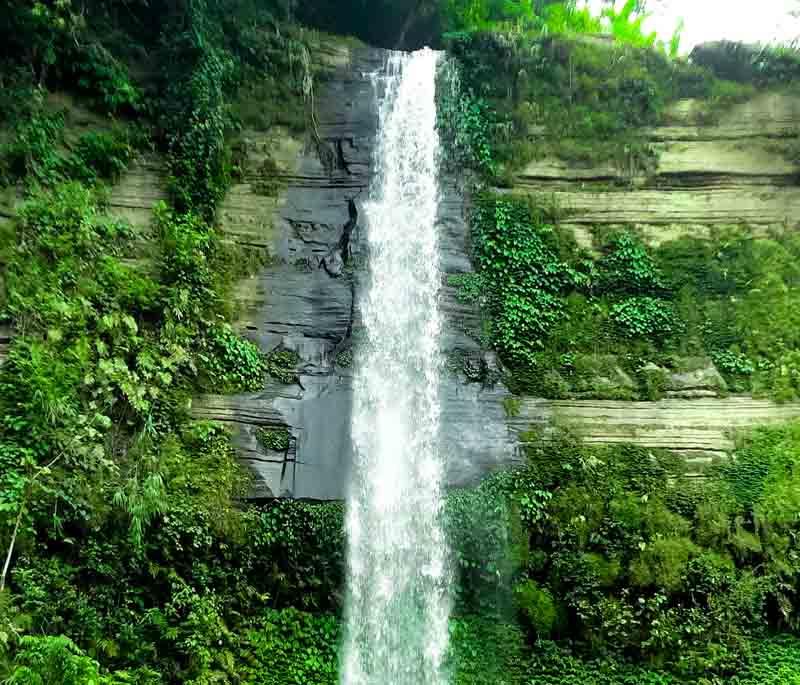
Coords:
pixel 518 259
pixel 471 287
pixel 628 267
pixel 282 366
pixel 199 172
pixel 275 440
pixel 101 155
pixel 645 317
pixel 674 573
pixel 663 563
pixel 763 65
pixel 307 542
pixel 486 651
pixel 32 151
pixel 625 24
pixel 775 662
pixel 733 362
pixel 232 363
pixel 54 661
pixel 99 74
pixel 739 300
pixel 465 123
pixel 293 647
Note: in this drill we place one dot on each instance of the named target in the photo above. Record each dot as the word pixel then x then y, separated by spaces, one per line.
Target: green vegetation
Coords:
pixel 282 366
pixel 618 324
pixel 517 256
pixel 345 359
pixel 618 552
pixel 583 563
pixel 512 98
pixel 275 440
pixel 740 298
pixel 635 571
pixel 532 18
pixel 410 24
pixel 129 554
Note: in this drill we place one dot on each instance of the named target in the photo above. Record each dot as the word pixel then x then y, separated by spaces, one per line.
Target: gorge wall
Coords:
pixel 729 172
pixel 306 302
pixel 298 200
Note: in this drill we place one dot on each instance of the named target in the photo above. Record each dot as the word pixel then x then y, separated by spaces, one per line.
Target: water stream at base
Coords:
pixel 397 607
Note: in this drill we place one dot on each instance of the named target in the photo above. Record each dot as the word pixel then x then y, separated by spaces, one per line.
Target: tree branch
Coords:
pixel 22 507
pixel 11 548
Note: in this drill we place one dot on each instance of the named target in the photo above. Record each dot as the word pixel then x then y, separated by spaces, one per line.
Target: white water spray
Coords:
pixel 397 611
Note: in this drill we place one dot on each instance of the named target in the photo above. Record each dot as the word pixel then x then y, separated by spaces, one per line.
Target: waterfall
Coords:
pixel 397 608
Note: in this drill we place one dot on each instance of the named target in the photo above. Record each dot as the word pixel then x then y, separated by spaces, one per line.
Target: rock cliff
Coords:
pixel 298 201
pixel 730 172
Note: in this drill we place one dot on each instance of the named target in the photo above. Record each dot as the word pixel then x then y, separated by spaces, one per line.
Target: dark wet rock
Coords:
pixel 308 303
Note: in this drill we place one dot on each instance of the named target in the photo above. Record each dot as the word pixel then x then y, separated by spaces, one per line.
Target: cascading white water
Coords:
pixel 397 610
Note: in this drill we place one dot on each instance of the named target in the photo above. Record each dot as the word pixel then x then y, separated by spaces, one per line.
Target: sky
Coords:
pixel 707 20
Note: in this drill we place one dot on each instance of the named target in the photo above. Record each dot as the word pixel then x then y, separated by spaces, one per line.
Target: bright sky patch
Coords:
pixel 709 20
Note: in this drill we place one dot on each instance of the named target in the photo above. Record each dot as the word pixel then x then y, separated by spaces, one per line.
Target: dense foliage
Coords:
pixel 617 551
pixel 122 556
pixel 614 550
pixel 619 321
pixel 572 324
pixel 128 554
pixel 515 98
pixel 531 18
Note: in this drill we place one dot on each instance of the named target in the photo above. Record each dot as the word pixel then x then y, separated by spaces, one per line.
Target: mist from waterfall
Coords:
pixel 397 606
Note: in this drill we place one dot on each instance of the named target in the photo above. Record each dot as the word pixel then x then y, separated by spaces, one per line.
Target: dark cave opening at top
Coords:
pixel 393 24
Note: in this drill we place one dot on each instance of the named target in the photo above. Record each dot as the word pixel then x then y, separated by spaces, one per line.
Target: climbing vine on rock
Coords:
pixel 517 257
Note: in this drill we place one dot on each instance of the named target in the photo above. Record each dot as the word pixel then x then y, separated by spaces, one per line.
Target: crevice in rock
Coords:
pixel 702 180
pixel 339 256
pixel 331 155
pixel 264 460
pixel 347 232
pixel 341 162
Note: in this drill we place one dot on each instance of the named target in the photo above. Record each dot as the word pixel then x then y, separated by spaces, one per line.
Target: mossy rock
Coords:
pixel 655 380
pixel 696 377
pixel 344 358
pixel 600 375
pixel 282 366
pixel 537 605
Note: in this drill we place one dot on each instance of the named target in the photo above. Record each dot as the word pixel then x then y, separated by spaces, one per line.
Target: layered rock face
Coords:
pixel 736 171
pixel 300 201
pixel 306 301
